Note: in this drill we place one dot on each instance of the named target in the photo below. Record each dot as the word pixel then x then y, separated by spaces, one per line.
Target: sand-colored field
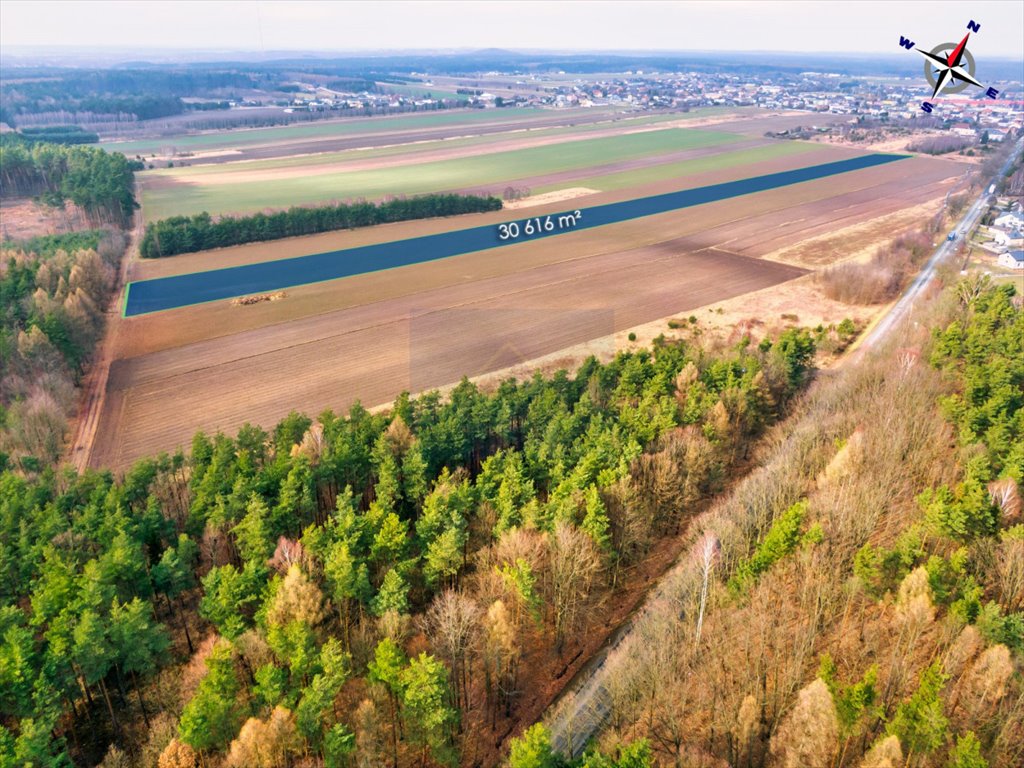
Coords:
pixel 23 218
pixel 558 196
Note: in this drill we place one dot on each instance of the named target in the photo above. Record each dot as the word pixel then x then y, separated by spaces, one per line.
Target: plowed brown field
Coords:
pixel 371 352
pixel 369 337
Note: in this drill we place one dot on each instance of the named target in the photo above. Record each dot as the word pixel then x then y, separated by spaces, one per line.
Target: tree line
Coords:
pixel 145 94
pixel 59 134
pixel 100 183
pixel 188 234
pixel 370 589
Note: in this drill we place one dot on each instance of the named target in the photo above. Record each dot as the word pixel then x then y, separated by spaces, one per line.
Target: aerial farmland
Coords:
pixel 511 385
pixel 367 337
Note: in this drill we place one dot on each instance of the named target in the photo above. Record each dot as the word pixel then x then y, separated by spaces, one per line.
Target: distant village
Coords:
pixel 828 93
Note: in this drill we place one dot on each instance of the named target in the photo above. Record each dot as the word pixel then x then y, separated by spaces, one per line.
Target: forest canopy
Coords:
pixel 100 183
pixel 289 565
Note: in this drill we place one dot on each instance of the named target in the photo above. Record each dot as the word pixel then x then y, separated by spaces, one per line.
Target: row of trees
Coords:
pixel 201 232
pixel 187 234
pixel 99 182
pixel 859 601
pixel 143 94
pixel 375 587
pixel 60 134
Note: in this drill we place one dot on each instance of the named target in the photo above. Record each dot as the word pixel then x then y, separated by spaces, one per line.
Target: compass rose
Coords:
pixel 949 67
pixel 946 73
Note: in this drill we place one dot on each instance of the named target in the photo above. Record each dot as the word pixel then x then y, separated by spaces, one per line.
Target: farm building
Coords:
pixel 1012 260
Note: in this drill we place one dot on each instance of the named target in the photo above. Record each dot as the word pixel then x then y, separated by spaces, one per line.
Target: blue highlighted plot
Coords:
pixel 183 290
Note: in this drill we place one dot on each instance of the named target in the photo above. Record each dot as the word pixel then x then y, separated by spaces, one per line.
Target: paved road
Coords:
pixel 182 290
pixel 581 710
pixel 906 303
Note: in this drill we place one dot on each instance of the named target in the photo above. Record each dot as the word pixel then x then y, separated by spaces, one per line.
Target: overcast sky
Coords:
pixel 740 25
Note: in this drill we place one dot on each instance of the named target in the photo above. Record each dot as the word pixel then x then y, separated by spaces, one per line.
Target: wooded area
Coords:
pixel 135 94
pixel 188 234
pixel 100 183
pixel 859 600
pixel 363 589
pixel 53 290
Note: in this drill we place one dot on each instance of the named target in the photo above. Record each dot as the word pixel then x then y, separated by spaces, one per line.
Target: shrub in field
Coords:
pixel 939 145
pixel 880 279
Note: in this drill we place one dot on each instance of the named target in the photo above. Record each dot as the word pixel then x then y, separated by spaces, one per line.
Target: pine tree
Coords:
pixel 919 722
pixel 533 749
pixel 966 753
pixel 386 669
pixel 212 716
pixel 426 709
pixel 253 533
pixel 595 522
pixel 392 596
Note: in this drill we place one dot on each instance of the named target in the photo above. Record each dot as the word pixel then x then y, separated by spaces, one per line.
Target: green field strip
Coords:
pixel 247 137
pixel 411 149
pixel 422 91
pixel 459 173
pixel 662 172
pixel 320 129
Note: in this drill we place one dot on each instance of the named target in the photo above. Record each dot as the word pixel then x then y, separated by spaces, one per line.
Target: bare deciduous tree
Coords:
pixel 501 654
pixel 370 751
pixel 886 753
pixel 270 743
pixel 979 691
pixel 573 566
pixel 177 754
pixel 704 553
pixel 452 624
pixel 1005 494
pixel 297 599
pixel 1010 573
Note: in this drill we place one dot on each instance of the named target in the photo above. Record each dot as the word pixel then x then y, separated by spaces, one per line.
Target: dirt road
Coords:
pixel 94 386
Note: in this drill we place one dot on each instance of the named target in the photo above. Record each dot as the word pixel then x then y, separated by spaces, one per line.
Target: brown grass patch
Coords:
pixel 22 218
pixel 882 278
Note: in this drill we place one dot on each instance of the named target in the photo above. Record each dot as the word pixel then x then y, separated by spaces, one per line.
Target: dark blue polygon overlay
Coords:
pixel 182 290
